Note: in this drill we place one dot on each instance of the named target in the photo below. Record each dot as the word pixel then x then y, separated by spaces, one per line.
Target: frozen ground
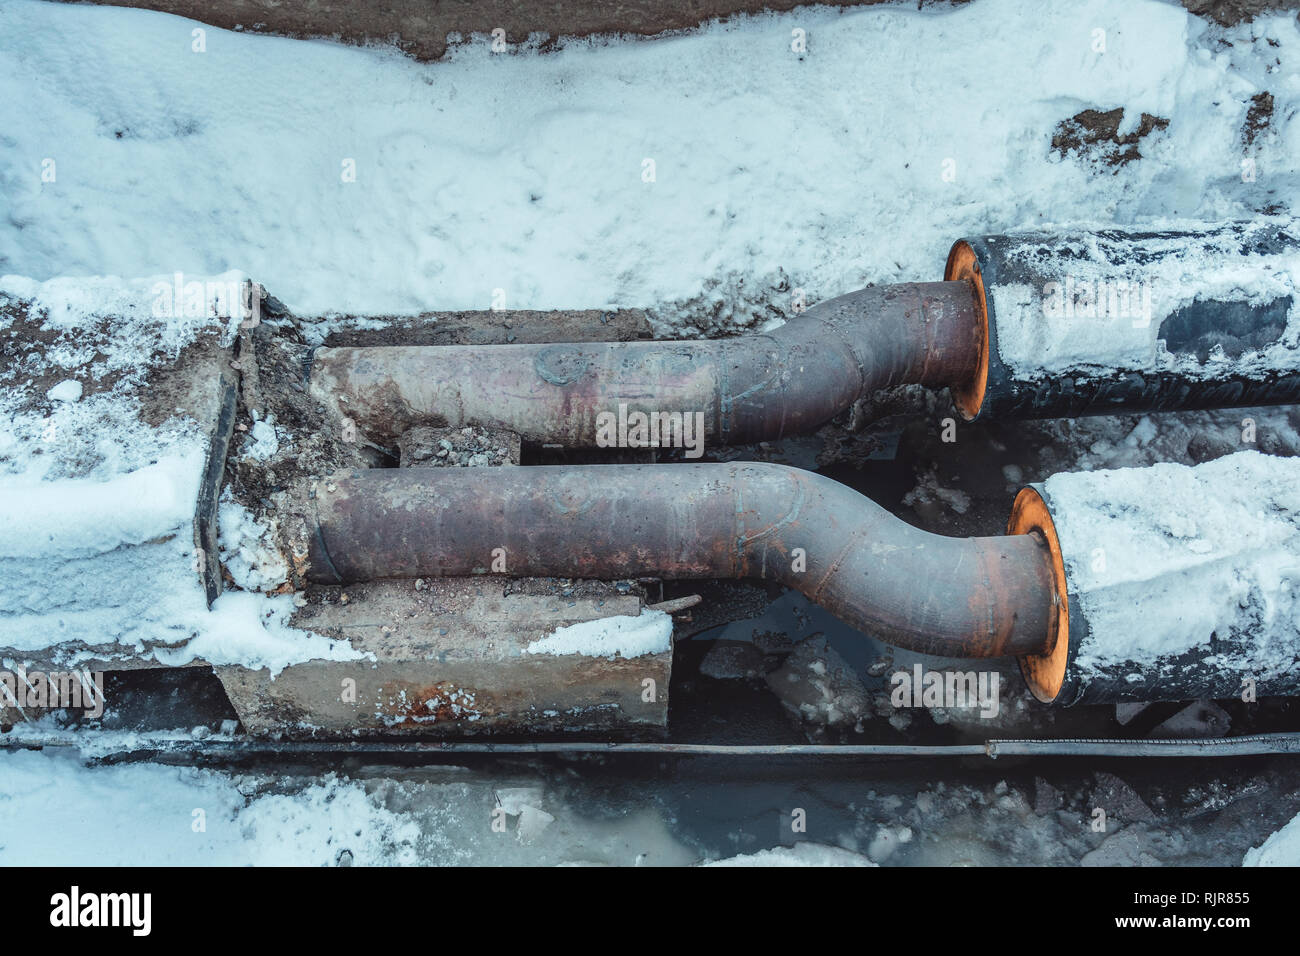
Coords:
pixel 525 181
pixel 603 813
pixel 715 179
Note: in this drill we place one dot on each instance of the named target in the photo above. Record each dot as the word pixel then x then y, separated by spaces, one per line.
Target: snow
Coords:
pixel 248 550
pixel 135 815
pixel 147 318
pixel 69 390
pixel 265 441
pixel 618 636
pixel 112 334
pixel 1280 849
pixel 797 175
pixel 1100 302
pixel 1159 559
pixel 79 517
pixel 801 854
pixel 97 544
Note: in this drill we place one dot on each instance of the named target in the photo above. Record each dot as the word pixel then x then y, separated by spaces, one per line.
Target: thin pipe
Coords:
pixel 143 744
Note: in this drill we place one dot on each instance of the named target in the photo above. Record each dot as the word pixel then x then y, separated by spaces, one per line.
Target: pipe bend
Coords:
pixel 955 597
pixel 745 389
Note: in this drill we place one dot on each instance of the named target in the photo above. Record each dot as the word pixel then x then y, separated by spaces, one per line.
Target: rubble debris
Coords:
pixel 820 688
pixel 732 660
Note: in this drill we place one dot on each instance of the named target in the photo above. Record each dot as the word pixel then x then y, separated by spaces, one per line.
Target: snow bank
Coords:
pixel 528 174
pixel 801 854
pixel 171 816
pixel 133 814
pixel 619 636
pixel 77 517
pixel 1280 849
pixel 97 497
pixel 1165 559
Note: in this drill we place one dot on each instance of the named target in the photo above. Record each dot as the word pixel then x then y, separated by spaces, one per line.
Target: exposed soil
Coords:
pixel 425 30
pixel 1258 117
pixel 1094 135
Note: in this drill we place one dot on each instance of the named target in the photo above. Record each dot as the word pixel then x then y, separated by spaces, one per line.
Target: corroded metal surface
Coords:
pixel 956 597
pixel 751 388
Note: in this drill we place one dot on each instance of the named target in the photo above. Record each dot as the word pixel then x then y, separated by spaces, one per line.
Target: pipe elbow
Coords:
pixel 952 597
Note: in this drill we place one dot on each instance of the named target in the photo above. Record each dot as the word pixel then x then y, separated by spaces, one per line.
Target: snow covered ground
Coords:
pixel 714 178
pixel 705 176
pixel 594 813
pixel 1281 849
pixel 99 478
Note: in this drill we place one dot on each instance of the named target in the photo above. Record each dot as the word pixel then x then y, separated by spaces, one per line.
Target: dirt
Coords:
pixel 426 31
pixel 468 447
pixel 1258 117
pixel 161 387
pixel 25 341
pixel 1093 135
pixel 1229 12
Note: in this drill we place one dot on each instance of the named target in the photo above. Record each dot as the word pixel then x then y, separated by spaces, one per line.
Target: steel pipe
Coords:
pixel 1030 325
pixel 746 389
pixel 956 597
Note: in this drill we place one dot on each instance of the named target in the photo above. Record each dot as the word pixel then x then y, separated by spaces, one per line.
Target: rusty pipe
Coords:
pixel 955 597
pixel 746 389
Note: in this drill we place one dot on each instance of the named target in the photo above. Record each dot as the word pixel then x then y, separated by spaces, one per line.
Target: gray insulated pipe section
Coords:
pixel 1088 323
pixel 1181 582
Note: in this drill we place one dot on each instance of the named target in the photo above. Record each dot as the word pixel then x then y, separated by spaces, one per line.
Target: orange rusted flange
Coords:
pixel 963 265
pixel 1045 672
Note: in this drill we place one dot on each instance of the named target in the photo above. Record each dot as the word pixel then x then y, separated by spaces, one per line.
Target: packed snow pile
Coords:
pixel 108 396
pixel 597 175
pixel 139 813
pixel 1281 849
pixel 170 816
pixel 621 636
pixel 1201 555
pixel 801 854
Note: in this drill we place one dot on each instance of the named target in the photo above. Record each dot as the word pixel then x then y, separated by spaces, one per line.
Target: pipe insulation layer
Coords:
pixel 1181 582
pixel 1086 323
pixel 955 597
pixel 728 391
